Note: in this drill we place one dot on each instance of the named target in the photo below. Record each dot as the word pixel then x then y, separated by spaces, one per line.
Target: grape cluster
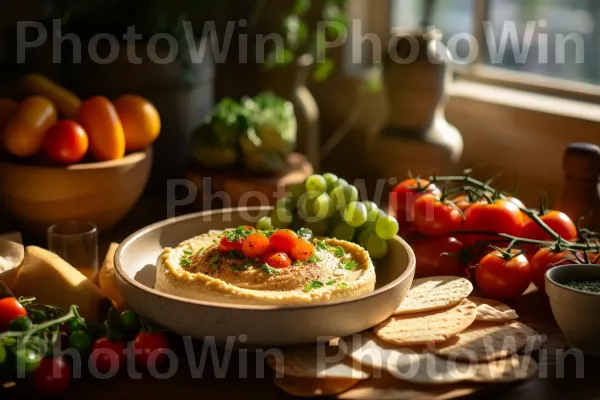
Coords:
pixel 330 206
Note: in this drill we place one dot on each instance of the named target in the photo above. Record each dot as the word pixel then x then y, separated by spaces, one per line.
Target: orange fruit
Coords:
pixel 140 119
pixel 99 119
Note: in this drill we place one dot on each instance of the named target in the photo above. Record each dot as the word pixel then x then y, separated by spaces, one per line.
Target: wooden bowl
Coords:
pixel 103 192
pixel 262 326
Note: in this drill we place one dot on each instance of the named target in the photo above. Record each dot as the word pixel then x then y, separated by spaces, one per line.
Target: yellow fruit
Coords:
pixel 24 133
pixel 140 119
pixel 65 101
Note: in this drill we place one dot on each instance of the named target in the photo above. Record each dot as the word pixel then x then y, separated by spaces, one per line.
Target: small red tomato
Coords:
pixel 225 246
pixel 302 250
pixel 53 376
pixel 436 218
pixel 501 216
pixel 557 221
pixel 150 348
pixel 255 245
pixel 277 260
pixel 66 142
pixel 108 355
pixel 438 257
pixel 283 240
pixel 10 309
pixel 503 279
pixel 405 194
pixel 543 260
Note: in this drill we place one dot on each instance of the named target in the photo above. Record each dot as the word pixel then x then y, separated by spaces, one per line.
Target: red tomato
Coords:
pixel 438 257
pixel 108 355
pixel 283 240
pixel 302 250
pixel 403 197
pixel 502 279
pixel 545 259
pixel 277 260
pixel 501 216
pixel 559 222
pixel 150 347
pixel 435 218
pixel 66 142
pixel 462 202
pixel 516 202
pixel 10 309
pixel 255 245
pixel 53 376
pixel 225 246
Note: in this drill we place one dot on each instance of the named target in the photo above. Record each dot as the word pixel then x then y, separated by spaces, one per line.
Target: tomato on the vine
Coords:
pixel 500 216
pixel 150 347
pixel 53 376
pixel 546 258
pixel 557 221
pixel 10 309
pixel 404 195
pixel 438 257
pixel 433 217
pixel 503 279
pixel 108 355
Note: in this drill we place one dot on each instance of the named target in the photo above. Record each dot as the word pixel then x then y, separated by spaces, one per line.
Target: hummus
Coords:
pixel 197 269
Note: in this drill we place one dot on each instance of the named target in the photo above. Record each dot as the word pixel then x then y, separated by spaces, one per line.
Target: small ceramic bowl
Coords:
pixel 262 325
pixel 575 311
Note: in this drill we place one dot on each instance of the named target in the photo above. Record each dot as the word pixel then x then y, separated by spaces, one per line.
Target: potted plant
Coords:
pixel 417 136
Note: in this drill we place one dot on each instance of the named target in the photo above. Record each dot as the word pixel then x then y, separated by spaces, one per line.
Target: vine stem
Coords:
pixel 38 328
pixel 516 239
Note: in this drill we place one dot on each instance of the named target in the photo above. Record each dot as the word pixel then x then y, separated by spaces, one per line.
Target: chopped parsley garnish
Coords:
pixel 188 252
pixel 269 270
pixel 313 285
pixel 240 267
pixel 322 245
pixel 238 234
pixel 313 259
pixel 214 262
pixel 339 252
pixel 305 233
pixel 342 285
pixel 297 262
pixel 268 233
pixel 331 283
pixel 185 262
pixel 236 254
pixel 349 265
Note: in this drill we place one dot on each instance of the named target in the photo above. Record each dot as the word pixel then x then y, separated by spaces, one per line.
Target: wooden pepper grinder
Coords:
pixel 581 191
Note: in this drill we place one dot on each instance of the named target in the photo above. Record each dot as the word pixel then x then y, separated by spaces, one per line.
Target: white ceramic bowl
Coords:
pixel 575 311
pixel 262 325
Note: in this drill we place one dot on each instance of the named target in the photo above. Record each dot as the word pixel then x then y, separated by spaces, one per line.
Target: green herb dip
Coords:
pixel 589 285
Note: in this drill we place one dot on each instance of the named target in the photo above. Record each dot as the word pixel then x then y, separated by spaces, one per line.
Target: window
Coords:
pixel 553 38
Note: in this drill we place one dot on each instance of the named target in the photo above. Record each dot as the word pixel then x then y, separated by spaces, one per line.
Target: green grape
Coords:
pixel 285 202
pixel 340 182
pixel 363 235
pixel 377 247
pixel 319 228
pixel 297 223
pixel 295 192
pixel 335 219
pixel 319 206
pixel 386 227
pixel 344 232
pixel 372 210
pixel 331 180
pixel 316 184
pixel 264 224
pixel 355 214
pixel 344 195
pixel 281 218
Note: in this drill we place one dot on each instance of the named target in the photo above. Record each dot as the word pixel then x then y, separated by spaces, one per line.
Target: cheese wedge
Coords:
pixel 107 279
pixel 51 280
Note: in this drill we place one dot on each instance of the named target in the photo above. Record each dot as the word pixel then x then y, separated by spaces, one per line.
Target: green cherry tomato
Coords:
pixel 80 341
pixel 20 324
pixel 73 325
pixel 130 321
pixel 38 316
pixel 26 360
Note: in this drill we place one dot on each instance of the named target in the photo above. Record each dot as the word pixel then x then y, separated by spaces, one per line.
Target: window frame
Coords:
pixel 378 14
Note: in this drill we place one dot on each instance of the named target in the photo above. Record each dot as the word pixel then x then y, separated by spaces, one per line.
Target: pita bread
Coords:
pixel 435 293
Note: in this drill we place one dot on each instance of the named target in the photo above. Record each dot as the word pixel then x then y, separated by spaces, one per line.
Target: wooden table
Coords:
pixel 560 381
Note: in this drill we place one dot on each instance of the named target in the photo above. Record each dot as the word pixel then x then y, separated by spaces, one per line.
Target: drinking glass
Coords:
pixel 77 243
